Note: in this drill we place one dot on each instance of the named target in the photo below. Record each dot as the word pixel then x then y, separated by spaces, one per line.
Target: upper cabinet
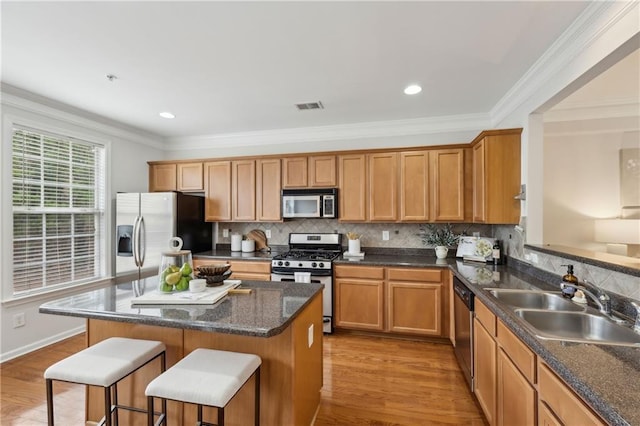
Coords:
pixel 352 184
pixel 162 177
pixel 217 190
pixel 316 171
pixel 447 167
pixel 383 186
pixel 496 177
pixel 268 187
pixel 185 177
pixel 414 186
pixel 243 190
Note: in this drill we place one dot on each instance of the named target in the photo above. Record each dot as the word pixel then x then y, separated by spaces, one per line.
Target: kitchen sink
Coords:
pixel 579 327
pixel 532 299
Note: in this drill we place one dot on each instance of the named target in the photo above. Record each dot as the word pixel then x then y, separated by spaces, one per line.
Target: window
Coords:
pixel 58 211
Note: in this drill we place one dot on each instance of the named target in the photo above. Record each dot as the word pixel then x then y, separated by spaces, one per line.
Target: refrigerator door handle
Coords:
pixel 136 241
pixel 142 241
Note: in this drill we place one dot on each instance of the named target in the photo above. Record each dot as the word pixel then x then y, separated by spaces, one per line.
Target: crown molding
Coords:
pixel 378 129
pixel 26 101
pixel 582 33
pixel 576 111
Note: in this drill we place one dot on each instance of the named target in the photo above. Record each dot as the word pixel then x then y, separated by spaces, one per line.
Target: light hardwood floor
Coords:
pixel 367 381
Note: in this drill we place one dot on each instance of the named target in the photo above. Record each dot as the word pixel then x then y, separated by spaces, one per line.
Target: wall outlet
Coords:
pixel 19 320
pixel 267 233
pixel 385 235
pixel 225 233
pixel 310 337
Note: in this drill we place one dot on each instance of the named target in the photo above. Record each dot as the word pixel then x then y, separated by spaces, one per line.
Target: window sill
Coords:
pixel 44 296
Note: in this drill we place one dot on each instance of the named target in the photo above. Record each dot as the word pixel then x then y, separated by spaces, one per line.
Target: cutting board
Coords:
pixel 208 297
pixel 259 237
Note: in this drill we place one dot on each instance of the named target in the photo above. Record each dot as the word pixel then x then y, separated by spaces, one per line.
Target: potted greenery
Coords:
pixel 439 237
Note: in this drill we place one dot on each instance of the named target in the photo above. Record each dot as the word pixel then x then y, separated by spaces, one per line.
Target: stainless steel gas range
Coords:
pixel 312 254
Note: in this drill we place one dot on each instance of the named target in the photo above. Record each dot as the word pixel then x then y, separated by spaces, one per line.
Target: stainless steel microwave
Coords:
pixel 310 203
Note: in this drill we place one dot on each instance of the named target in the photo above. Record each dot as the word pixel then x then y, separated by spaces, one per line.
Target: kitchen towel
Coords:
pixel 302 277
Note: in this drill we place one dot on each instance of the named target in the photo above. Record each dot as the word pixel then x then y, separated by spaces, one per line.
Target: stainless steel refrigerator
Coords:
pixel 146 221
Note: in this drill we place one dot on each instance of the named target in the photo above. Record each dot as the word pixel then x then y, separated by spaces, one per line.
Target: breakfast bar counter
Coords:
pixel 280 322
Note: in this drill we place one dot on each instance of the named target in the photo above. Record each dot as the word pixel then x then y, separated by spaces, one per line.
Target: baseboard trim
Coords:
pixel 41 343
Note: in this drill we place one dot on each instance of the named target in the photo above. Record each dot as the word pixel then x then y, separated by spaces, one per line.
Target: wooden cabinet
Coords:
pixel 448 189
pixel 317 171
pixel 359 299
pixel 485 361
pixel 415 301
pixel 268 187
pixel 516 396
pixel 217 189
pixel 352 194
pixel 243 190
pixel 496 177
pixel 559 405
pixel 185 177
pixel 408 301
pixel 383 186
pixel 190 177
pixel 162 177
pixel 250 270
pixel 414 186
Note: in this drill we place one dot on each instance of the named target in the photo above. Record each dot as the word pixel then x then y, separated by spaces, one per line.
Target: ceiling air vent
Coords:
pixel 310 105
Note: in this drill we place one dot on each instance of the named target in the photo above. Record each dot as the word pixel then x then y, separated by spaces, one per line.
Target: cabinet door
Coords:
pixel 352 184
pixel 217 189
pixel 294 172
pixel 322 171
pixel 268 190
pixel 516 397
pixel 447 167
pixel 484 370
pixel 244 190
pixel 190 177
pixel 162 177
pixel 414 186
pixel 415 308
pixel 383 186
pixel 359 304
pixel 546 416
pixel 479 214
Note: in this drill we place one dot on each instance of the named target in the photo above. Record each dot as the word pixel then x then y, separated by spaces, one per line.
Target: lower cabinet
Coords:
pixel 516 396
pixel 393 300
pixel 242 270
pixel 485 361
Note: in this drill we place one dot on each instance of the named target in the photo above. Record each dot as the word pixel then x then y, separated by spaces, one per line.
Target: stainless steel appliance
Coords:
pixel 146 221
pixel 314 254
pixel 310 203
pixel 463 310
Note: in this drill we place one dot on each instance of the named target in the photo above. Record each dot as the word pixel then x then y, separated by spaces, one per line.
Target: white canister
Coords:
pixel 354 246
pixel 236 242
pixel 248 246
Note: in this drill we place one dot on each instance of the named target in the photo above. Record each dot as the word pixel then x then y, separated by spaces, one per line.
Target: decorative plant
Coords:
pixel 433 235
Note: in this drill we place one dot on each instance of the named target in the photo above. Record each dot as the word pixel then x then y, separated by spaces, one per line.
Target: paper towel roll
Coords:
pixel 236 242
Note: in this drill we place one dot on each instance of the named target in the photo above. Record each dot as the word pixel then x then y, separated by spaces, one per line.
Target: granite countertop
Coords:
pixel 227 254
pixel 606 377
pixel 260 313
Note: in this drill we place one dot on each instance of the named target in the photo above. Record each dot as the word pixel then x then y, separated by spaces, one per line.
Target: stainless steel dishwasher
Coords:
pixel 463 310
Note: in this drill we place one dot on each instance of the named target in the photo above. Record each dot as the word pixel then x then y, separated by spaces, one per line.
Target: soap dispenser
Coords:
pixel 569 278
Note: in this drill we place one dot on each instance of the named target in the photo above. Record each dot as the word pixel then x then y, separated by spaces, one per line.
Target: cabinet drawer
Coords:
pixel 422 275
pixel 486 317
pixel 252 267
pixel 364 272
pixel 565 404
pixel 521 356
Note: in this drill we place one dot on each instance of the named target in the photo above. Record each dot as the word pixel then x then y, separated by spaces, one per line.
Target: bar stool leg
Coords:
pixel 221 416
pixel 150 418
pixel 115 403
pixel 107 406
pixel 49 402
pixel 257 398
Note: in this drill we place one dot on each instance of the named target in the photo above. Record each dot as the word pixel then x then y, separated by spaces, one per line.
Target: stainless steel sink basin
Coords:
pixel 531 299
pixel 579 327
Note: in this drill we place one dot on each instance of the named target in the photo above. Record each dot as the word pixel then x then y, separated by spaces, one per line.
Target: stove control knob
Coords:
pixel 314 264
pixel 286 263
pixel 321 265
pixel 279 262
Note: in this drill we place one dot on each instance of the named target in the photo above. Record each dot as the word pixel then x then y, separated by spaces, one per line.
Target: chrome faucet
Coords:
pixel 602 299
pixel 636 327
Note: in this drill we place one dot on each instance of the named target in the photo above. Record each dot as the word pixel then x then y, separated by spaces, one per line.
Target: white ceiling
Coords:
pixel 232 67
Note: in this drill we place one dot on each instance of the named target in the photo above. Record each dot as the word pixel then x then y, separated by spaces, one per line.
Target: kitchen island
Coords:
pixel 280 322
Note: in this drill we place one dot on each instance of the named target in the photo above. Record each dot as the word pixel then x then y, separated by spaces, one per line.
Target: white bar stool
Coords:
pixel 104 364
pixel 206 377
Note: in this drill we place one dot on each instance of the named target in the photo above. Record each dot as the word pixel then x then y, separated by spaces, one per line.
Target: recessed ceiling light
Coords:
pixel 167 114
pixel 412 89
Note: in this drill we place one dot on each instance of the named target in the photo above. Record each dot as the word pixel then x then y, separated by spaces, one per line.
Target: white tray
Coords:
pixel 207 297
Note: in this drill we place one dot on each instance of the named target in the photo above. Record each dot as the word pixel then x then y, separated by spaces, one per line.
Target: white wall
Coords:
pixel 129 153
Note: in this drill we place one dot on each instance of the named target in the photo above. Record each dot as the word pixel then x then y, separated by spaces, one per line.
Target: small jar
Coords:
pixel 176 268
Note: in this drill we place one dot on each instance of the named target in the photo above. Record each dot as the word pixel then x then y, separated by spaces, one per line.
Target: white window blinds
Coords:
pixel 58 210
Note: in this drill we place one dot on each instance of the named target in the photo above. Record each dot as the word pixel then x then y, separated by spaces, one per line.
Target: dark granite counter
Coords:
pixel 227 254
pixel 269 309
